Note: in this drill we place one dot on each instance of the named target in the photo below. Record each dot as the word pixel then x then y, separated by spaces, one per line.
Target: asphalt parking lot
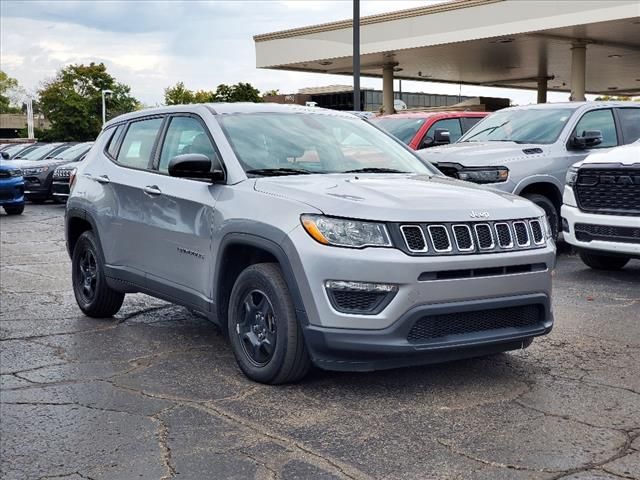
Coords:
pixel 155 393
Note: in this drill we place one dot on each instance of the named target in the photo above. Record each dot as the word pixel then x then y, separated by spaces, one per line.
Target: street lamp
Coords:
pixel 104 106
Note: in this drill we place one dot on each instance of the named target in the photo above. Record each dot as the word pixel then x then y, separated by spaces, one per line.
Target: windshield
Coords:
pixel 39 153
pixel 294 143
pixel 537 125
pixel 404 129
pixel 72 152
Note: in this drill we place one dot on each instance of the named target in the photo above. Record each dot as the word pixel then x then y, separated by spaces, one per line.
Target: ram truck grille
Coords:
pixel 613 191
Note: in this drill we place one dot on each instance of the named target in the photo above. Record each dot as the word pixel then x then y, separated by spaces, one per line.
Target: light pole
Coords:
pixel 356 56
pixel 104 106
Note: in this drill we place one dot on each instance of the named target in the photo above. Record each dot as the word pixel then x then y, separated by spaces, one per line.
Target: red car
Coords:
pixel 427 129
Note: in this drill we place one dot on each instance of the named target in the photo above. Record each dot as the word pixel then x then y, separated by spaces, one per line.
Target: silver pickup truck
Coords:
pixel 527 150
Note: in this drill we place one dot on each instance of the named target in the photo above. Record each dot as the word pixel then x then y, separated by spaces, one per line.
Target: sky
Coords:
pixel 150 45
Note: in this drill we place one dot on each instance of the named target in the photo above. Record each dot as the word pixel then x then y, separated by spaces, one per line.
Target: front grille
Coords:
pixel 471 237
pixel 439 238
pixel 440 326
pixel 504 235
pixel 522 235
pixel 462 234
pixel 587 232
pixel 62 174
pixel 414 237
pixel 485 237
pixel 614 191
pixel 4 174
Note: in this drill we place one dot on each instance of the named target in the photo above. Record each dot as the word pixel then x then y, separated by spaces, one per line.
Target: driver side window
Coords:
pixel 601 120
pixel 185 135
pixel 451 124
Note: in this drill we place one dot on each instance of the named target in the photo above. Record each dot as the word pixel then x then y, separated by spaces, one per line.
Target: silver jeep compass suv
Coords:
pixel 309 236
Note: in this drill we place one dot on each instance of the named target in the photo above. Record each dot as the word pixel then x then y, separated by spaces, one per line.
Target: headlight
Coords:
pixel 484 175
pixel 34 171
pixel 342 232
pixel 15 173
pixel 572 175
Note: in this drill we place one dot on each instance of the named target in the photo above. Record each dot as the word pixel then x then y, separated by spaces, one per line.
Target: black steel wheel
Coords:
pixel 263 330
pixel 93 295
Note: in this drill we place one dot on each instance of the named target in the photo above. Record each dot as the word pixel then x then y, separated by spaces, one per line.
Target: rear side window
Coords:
pixel 137 145
pixel 630 123
pixel 113 142
pixel 601 120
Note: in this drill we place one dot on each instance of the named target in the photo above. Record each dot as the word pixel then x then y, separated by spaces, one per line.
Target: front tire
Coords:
pixel 265 336
pixel 603 262
pixel 94 297
pixel 553 215
pixel 14 210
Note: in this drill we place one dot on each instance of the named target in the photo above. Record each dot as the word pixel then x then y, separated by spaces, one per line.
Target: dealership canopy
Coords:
pixel 581 46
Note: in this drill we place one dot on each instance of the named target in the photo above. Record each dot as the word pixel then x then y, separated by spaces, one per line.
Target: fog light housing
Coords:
pixel 361 298
pixel 565 225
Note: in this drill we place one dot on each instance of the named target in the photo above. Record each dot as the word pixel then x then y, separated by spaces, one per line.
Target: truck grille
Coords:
pixel 612 191
pixel 473 237
pixel 586 232
pixel 432 327
pixel 61 174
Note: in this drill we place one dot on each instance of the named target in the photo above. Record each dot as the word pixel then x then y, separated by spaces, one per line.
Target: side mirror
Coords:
pixel 441 136
pixel 588 139
pixel 194 165
pixel 427 142
pixel 5 155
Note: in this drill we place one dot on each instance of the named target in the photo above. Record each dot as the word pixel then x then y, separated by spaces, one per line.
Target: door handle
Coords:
pixel 102 179
pixel 152 190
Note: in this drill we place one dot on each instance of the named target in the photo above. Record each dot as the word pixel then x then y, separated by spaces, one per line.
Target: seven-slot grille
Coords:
pixel 62 173
pixel 461 238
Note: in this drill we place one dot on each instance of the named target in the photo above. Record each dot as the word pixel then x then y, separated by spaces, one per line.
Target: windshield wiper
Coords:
pixel 273 172
pixel 488 129
pixel 375 170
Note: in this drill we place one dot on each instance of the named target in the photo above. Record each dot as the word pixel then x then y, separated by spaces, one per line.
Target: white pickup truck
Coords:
pixel 601 207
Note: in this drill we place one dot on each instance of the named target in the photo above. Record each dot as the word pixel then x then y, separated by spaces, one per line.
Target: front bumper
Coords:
pixel 342 341
pixel 362 350
pixel 38 187
pixel 574 216
pixel 12 191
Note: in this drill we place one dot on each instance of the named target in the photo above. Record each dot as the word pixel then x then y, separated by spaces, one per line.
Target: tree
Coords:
pixel 613 98
pixel 7 86
pixel 72 101
pixel 178 94
pixel 271 93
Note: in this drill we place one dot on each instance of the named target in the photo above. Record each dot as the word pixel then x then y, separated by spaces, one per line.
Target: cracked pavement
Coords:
pixel 155 393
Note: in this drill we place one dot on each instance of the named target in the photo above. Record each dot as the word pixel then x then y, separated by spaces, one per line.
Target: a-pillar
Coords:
pixel 578 71
pixel 542 89
pixel 387 89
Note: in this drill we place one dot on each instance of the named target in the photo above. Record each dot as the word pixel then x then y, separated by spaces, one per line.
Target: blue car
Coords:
pixel 11 189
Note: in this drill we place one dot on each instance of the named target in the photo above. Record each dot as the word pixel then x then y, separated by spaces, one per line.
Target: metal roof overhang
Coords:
pixel 505 43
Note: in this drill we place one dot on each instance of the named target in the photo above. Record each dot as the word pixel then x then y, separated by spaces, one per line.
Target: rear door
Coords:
pixel 179 216
pixel 125 234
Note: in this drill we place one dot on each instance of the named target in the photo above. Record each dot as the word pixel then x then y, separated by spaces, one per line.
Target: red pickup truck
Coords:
pixel 428 129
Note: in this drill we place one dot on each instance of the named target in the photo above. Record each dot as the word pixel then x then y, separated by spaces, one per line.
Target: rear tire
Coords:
pixel 553 215
pixel 94 297
pixel 14 210
pixel 603 262
pixel 263 330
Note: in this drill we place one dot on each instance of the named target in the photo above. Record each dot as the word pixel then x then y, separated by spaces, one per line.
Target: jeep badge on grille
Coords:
pixel 482 214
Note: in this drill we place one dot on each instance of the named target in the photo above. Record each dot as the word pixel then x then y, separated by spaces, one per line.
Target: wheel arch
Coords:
pixel 543 185
pixel 237 251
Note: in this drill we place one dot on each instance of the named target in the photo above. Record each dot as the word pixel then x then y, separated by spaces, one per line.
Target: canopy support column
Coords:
pixel 578 71
pixel 387 88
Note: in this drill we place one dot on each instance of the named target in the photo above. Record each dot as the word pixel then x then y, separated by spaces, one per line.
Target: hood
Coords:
pixel 397 197
pixel 37 163
pixel 625 155
pixel 478 154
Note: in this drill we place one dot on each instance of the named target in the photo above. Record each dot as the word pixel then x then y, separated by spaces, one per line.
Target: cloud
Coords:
pixel 150 45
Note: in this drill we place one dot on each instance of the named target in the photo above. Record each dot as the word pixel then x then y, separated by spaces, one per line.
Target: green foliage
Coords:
pixel 178 94
pixel 72 101
pixel 7 85
pixel 271 93
pixel 613 98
